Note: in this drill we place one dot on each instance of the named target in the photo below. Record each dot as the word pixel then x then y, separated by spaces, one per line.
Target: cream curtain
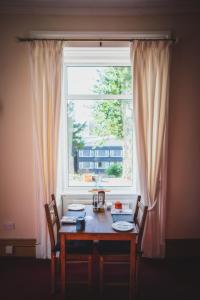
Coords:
pixel 150 89
pixel 46 70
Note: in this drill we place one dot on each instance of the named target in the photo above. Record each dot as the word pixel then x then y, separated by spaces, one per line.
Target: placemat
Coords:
pixel 122 217
pixel 73 213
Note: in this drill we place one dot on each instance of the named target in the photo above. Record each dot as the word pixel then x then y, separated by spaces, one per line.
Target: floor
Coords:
pixel 26 278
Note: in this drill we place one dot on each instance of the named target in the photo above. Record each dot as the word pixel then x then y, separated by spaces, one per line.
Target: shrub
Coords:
pixel 114 170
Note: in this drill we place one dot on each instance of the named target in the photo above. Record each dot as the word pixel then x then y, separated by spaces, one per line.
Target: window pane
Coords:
pixel 88 80
pixel 86 165
pixel 102 153
pixel 100 142
pixel 115 153
pixel 86 153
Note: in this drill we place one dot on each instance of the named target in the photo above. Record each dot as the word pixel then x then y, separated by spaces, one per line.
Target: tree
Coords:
pixel 76 131
pixel 109 114
pixel 108 118
pixel 114 80
pixel 77 140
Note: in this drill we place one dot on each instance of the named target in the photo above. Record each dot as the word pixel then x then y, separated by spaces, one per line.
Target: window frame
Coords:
pixel 129 189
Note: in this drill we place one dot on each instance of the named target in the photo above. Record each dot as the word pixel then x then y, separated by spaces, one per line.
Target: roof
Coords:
pixel 96 141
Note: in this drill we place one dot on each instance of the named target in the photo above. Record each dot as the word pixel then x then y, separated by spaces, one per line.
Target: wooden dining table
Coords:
pixel 98 226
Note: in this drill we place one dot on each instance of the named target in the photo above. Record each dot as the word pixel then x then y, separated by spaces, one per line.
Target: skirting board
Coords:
pixel 182 248
pixel 18 247
pixel 175 248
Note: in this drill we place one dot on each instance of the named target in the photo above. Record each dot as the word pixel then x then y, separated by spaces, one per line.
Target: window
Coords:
pixel 86 165
pixel 116 153
pixel 102 165
pixel 101 153
pixel 86 153
pixel 98 117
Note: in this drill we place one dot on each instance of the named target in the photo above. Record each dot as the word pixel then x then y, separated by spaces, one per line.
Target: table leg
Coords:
pixel 132 268
pixel 62 262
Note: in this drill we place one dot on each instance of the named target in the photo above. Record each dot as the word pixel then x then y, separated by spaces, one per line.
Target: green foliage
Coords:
pixel 108 114
pixel 114 170
pixel 77 141
pixel 108 118
pixel 114 80
pixel 77 128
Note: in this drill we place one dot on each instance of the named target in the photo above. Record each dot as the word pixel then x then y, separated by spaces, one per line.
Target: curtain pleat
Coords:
pixel 150 60
pixel 46 70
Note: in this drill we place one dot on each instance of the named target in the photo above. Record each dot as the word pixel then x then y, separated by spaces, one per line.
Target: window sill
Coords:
pixel 123 194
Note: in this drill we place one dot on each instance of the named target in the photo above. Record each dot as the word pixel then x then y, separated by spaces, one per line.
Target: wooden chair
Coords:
pixel 80 251
pixel 115 252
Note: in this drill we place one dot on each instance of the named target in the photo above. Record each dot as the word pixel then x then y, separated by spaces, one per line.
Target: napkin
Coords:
pixel 68 220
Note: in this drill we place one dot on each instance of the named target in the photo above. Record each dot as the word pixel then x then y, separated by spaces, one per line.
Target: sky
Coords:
pixel 81 80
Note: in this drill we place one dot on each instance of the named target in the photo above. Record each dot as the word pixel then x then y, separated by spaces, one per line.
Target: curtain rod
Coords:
pixel 20 39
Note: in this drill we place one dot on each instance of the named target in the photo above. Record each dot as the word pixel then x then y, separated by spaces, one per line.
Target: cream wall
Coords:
pixel 16 156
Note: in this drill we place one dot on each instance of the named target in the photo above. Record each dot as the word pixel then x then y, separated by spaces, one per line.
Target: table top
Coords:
pixel 97 223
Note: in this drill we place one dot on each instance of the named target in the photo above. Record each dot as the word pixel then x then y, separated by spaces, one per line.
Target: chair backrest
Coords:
pixel 53 221
pixel 55 210
pixel 139 220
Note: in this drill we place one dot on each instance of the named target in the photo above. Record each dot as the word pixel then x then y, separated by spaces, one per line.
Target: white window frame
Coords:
pixel 72 190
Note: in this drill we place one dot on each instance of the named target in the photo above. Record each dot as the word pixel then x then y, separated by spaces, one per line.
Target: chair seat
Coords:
pixel 114 247
pixel 118 252
pixel 80 251
pixel 77 247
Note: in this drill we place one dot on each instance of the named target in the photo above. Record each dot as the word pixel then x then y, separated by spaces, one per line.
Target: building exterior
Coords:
pixel 96 159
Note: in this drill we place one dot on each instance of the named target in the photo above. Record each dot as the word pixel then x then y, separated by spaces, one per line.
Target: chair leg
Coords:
pixel 53 273
pixel 137 279
pixel 101 274
pixel 90 265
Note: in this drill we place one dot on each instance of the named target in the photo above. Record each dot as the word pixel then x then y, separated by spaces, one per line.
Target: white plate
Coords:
pixel 76 206
pixel 121 211
pixel 122 226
